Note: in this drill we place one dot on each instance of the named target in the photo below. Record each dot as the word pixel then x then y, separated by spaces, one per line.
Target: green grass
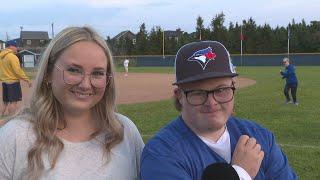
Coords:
pixel 297 129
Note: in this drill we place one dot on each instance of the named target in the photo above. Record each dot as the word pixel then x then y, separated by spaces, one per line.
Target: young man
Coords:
pixel 291 81
pixel 206 132
pixel 10 75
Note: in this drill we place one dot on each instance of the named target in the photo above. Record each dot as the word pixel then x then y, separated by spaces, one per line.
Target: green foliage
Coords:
pixel 155 41
pixel 142 40
pixel 295 127
pixel 199 28
pixel 258 39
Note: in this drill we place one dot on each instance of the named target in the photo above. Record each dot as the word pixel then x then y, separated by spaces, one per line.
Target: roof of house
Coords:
pixel 28 52
pixel 122 34
pixel 34 35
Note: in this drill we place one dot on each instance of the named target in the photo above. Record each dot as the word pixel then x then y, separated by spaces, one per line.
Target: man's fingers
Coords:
pixel 261 154
pixel 251 142
pixel 257 148
pixel 243 140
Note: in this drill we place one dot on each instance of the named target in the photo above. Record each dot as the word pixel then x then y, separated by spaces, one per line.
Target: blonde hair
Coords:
pixel 44 110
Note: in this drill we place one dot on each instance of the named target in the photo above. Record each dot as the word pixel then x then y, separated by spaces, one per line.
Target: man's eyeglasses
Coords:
pixel 74 75
pixel 199 97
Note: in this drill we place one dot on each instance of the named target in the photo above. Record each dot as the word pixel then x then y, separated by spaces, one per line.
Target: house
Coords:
pixel 33 39
pixel 29 58
pixel 32 43
pixel 125 35
pixel 173 34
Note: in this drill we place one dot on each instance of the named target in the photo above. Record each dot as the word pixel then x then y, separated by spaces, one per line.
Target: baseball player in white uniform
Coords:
pixel 126 66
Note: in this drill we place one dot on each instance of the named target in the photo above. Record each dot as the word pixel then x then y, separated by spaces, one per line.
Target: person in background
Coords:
pixel 70 128
pixel 291 81
pixel 10 74
pixel 126 66
pixel 205 132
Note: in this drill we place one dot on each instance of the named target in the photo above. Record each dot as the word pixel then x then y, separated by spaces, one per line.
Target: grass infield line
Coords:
pixel 300 146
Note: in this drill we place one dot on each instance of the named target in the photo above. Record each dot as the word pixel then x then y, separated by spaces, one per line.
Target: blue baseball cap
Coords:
pixel 12 43
pixel 203 60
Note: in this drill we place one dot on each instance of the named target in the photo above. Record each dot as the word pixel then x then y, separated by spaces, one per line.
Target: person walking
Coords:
pixel 291 81
pixel 10 74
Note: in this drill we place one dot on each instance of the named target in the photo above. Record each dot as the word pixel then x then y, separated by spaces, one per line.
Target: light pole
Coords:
pixel 52 32
pixel 21 29
pixel 241 39
pixel 288 40
pixel 163 45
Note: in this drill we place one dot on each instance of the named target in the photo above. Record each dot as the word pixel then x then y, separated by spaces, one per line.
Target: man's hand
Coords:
pixel 248 155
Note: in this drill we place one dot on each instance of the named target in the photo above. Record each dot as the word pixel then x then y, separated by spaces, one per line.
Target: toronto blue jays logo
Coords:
pixel 203 57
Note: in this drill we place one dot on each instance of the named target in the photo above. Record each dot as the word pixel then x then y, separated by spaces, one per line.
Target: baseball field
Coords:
pixel 145 97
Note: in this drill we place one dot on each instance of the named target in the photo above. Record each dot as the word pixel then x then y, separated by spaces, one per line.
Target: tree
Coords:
pixel 155 40
pixel 279 40
pixel 219 31
pixel 199 28
pixel 249 28
pixel 142 40
pixel 233 38
pixel 257 39
pixel 264 39
pixel 315 33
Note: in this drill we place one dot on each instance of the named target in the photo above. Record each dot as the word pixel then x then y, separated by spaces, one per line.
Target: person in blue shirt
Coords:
pixel 291 81
pixel 205 132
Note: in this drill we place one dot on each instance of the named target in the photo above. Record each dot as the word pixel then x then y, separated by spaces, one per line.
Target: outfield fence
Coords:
pixel 301 59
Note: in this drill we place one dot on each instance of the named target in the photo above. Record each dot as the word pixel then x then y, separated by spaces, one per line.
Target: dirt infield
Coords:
pixel 141 87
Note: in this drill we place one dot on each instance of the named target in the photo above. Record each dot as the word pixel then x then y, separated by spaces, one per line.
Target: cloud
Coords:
pixel 117 3
pixel 113 16
pixel 31 4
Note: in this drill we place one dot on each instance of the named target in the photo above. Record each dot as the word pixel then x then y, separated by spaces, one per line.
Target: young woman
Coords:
pixel 70 128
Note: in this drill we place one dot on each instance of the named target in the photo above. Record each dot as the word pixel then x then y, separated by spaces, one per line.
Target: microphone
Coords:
pixel 220 171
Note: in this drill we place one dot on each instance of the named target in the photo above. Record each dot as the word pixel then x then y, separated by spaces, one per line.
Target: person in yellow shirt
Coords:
pixel 10 74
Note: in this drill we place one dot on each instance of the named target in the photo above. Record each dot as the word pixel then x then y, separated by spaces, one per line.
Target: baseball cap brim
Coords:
pixel 208 75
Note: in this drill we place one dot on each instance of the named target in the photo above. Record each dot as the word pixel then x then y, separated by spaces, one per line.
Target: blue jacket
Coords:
pixel 175 152
pixel 290 75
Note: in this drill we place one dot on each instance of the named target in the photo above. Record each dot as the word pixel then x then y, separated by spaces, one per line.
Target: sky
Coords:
pixel 110 17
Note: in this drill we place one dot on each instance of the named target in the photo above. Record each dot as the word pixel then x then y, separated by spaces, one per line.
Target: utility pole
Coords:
pixel 21 29
pixel 52 32
pixel 288 40
pixel 7 36
pixel 241 39
pixel 163 44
